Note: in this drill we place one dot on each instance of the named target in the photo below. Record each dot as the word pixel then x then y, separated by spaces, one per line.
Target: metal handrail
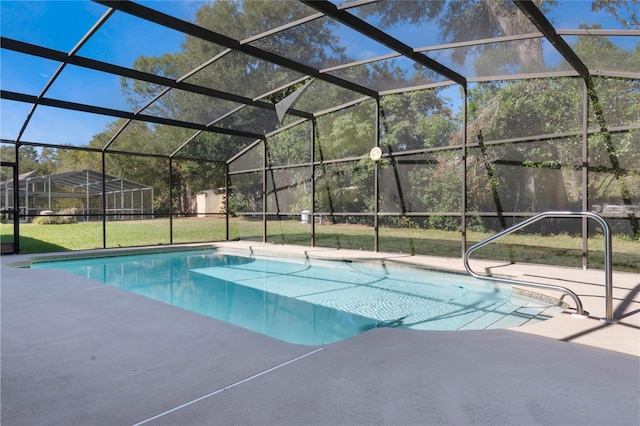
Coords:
pixel 607 254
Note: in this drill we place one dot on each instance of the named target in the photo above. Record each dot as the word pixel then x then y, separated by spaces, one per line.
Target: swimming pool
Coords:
pixel 310 301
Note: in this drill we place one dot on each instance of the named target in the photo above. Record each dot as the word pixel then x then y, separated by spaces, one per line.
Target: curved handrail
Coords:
pixel 535 218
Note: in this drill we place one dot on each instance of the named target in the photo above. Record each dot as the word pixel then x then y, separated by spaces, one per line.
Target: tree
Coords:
pixel 247 75
pixel 615 177
pixel 533 176
pixel 30 159
pixel 626 12
pixel 469 20
pixel 416 120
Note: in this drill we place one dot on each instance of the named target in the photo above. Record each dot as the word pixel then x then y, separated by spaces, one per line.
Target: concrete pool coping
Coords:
pixel 76 354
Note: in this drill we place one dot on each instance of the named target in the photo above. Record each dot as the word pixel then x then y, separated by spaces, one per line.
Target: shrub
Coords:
pixel 59 219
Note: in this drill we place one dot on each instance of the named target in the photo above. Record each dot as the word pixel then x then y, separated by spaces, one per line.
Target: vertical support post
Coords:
pixel 264 190
pixel 376 188
pixel 104 201
pixel 170 200
pixel 6 190
pixel 585 175
pixel 122 209
pixel 313 182
pixel 87 199
pixel 463 206
pixel 16 201
pixel 49 193
pixel 26 196
pixel 226 202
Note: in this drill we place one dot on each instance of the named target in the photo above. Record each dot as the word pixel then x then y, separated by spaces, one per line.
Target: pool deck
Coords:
pixel 77 353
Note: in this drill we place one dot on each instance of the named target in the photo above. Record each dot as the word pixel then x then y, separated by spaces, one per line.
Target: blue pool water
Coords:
pixel 301 301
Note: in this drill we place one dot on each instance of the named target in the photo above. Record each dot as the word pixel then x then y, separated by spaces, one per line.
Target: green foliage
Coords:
pixel 545 176
pixel 42 161
pixel 437 189
pixel 246 193
pixel 471 20
pixel 525 108
pixel 290 147
pixel 346 133
pixel 417 120
pixel 345 187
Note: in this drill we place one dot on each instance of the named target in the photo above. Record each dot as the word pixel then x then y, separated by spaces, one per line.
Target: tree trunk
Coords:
pixel 530 50
pixel 550 190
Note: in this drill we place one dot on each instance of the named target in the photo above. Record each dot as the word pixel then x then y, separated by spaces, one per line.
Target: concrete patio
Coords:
pixel 77 353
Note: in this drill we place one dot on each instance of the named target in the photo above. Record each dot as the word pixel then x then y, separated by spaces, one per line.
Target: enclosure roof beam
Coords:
pixel 380 36
pixel 61 67
pixel 544 26
pixel 56 103
pixel 194 30
pixel 55 55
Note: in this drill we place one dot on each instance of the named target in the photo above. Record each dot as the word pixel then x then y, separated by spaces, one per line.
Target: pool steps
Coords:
pixel 516 312
pixel 527 314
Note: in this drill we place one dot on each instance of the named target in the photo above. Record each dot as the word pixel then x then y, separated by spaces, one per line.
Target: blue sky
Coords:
pixel 60 25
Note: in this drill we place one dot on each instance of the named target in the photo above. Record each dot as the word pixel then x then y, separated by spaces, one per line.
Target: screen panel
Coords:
pixel 420 119
pixel 524 108
pixel 289 190
pixel 199 228
pixel 246 227
pixel 525 177
pixel 344 187
pixel 293 229
pixel 251 159
pixel 346 232
pixel 143 217
pixel 425 182
pixel 246 193
pixel 291 146
pixel 135 233
pixel 349 132
pixel 420 235
pixel 609 108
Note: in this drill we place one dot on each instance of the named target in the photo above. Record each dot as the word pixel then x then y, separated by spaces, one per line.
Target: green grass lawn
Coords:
pixel 562 250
